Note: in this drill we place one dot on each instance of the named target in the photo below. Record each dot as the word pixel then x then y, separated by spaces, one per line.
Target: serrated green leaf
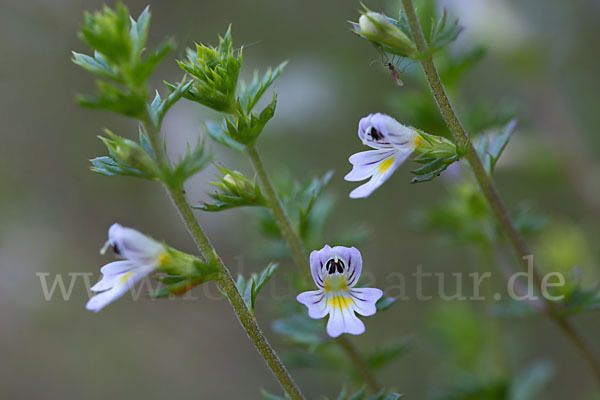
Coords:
pixel 159 107
pixel 252 94
pixel 95 67
pixel 258 281
pixel 491 147
pixel 250 288
pixel 191 163
pixel 145 143
pixel 245 129
pixel 215 131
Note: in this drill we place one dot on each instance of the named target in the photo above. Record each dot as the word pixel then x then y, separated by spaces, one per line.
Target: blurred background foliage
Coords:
pixel 527 60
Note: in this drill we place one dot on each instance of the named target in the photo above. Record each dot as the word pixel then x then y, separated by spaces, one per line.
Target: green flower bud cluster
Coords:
pixel 214 72
pixel 119 43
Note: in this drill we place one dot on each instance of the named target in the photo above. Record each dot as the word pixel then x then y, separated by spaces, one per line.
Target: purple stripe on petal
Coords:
pixel 365 300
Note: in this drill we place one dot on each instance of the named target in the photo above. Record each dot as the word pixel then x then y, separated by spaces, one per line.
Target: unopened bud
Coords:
pixel 379 29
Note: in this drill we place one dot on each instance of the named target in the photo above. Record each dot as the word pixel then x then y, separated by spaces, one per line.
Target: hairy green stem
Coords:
pixel 283 220
pixel 225 280
pixel 484 181
pixel 301 258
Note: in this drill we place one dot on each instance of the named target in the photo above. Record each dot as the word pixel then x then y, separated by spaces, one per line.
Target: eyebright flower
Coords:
pixel 141 255
pixel 336 271
pixel 393 143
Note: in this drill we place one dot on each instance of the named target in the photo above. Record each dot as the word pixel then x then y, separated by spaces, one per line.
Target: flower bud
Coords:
pixel 233 190
pixel 381 30
pixel 128 153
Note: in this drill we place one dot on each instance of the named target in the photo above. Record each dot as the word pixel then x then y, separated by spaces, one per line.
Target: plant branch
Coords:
pixel 301 259
pixel 225 280
pixel 485 183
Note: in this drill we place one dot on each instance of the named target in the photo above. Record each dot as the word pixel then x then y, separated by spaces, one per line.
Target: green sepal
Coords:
pixel 183 273
pixel 432 169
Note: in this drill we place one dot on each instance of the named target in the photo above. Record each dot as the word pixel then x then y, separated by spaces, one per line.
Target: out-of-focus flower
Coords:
pixel 141 255
pixel 393 143
pixel 335 272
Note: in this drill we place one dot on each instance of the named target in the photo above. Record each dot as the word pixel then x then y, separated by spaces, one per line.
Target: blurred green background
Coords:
pixel 541 60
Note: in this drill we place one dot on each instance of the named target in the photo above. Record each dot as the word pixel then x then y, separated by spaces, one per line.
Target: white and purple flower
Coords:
pixel 141 255
pixel 335 271
pixel 392 142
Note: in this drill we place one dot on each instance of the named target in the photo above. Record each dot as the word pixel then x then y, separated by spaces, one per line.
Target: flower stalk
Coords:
pixel 301 259
pixel 485 182
pixel 245 317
